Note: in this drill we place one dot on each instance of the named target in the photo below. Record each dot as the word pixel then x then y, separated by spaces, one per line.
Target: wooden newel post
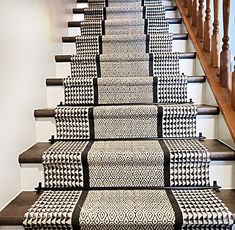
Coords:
pixel 215 40
pixel 200 17
pixel 233 88
pixel 207 28
pixel 225 56
pixel 194 16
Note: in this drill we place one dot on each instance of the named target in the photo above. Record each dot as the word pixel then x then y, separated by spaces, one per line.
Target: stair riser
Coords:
pixel 46 127
pixel 187 66
pixel 178 46
pixel 165 3
pixel 173 28
pixel 31 174
pixel 55 94
pixel 169 14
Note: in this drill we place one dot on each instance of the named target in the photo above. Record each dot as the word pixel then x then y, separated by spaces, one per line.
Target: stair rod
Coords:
pixel 215 187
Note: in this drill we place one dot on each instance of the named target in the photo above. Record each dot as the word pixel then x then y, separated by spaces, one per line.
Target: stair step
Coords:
pixel 81 10
pixel 202 110
pixel 183 55
pixel 60 81
pixel 180 36
pixel 218 150
pixel 14 212
pixel 170 20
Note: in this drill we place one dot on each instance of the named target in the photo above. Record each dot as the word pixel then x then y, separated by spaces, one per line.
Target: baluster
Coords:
pixel 194 16
pixel 225 54
pixel 190 8
pixel 185 3
pixel 207 28
pixel 200 17
pixel 233 88
pixel 215 40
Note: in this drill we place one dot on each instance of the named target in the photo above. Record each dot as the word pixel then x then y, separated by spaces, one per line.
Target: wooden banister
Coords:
pixel 200 19
pixel 194 16
pixel 233 89
pixel 225 56
pixel 207 28
pixel 215 40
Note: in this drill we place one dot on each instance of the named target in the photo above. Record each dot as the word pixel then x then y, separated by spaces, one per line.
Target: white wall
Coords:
pixel 30 36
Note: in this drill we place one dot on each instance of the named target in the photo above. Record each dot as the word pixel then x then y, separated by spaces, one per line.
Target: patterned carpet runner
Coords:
pixel 125 151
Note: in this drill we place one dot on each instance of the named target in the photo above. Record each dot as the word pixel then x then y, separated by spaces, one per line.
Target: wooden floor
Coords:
pixel 13 213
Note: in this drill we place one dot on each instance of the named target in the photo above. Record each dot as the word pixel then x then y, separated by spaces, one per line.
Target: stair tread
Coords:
pixel 219 151
pixel 14 212
pixel 59 81
pixel 203 109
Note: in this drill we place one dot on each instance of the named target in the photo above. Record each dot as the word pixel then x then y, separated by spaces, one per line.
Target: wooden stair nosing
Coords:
pixel 202 110
pixel 170 21
pixel 60 81
pixel 219 152
pixel 81 10
pixel 13 213
pixel 178 36
pixel 182 55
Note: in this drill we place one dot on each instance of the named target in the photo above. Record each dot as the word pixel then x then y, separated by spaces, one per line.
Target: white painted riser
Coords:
pixel 46 127
pixel 55 94
pixel 173 28
pixel 223 172
pixel 187 66
pixel 178 46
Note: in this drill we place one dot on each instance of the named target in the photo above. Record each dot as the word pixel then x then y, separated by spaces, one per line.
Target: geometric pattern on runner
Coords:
pixel 202 209
pixel 189 163
pixel 127 209
pixel 179 120
pixel 126 164
pixel 62 164
pixel 52 210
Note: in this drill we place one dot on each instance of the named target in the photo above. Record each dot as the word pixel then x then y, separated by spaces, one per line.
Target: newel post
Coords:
pixel 207 27
pixel 215 40
pixel 225 54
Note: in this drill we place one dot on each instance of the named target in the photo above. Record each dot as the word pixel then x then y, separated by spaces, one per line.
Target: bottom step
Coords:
pixel 13 213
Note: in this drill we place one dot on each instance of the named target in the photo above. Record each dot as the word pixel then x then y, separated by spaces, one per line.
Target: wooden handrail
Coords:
pixel 200 17
pixel 225 56
pixel 215 40
pixel 194 16
pixel 207 28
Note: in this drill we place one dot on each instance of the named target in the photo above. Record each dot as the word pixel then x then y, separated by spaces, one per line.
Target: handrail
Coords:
pixel 210 60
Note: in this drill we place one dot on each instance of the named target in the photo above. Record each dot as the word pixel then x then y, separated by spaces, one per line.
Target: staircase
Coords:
pixel 127 147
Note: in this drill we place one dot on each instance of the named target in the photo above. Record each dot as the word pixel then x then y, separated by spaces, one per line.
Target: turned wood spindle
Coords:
pixel 194 16
pixel 190 8
pixel 215 40
pixel 207 27
pixel 233 88
pixel 200 17
pixel 185 3
pixel 225 54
